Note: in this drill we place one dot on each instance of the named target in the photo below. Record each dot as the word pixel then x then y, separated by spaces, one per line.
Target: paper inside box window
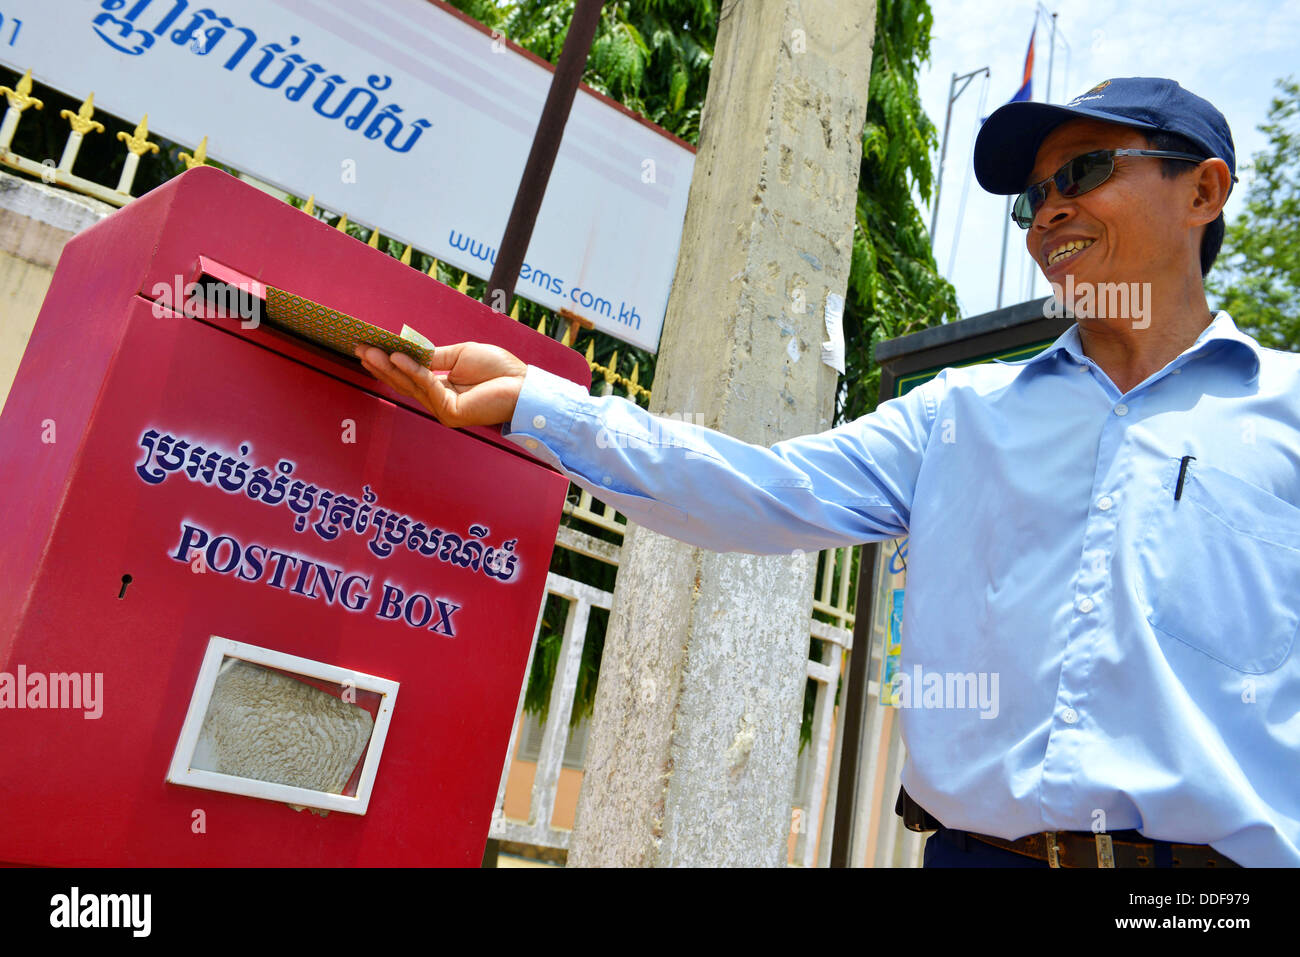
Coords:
pixel 270 727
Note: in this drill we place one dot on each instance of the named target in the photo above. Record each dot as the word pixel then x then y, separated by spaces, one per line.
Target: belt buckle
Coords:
pixel 1053 851
pixel 1105 851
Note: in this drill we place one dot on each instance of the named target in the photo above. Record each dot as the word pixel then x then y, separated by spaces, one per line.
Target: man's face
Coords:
pixel 1130 226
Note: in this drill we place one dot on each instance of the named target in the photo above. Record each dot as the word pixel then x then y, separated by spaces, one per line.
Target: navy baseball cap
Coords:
pixel 1008 141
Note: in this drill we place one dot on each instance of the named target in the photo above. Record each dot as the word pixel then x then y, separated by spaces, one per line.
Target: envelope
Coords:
pixel 337 330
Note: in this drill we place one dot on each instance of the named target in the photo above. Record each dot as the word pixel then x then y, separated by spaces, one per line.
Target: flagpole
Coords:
pixel 1051 56
pixel 1002 270
pixel 943 150
pixel 1026 88
pixel 1051 59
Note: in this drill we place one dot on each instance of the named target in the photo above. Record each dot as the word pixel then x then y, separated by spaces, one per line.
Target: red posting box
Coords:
pixel 173 478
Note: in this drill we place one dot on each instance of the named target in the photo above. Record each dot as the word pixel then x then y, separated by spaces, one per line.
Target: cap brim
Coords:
pixel 1008 142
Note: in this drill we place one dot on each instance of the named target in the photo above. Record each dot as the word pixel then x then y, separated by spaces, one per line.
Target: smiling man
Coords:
pixel 1152 232
pixel 1111 528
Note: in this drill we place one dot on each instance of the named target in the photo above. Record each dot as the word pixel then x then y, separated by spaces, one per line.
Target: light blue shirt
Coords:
pixel 1144 648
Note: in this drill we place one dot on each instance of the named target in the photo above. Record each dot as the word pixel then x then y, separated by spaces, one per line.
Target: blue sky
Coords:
pixel 1229 53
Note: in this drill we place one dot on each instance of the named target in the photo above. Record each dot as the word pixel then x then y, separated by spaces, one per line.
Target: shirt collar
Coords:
pixel 1220 330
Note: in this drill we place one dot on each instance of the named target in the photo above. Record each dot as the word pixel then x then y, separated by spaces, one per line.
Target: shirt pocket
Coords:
pixel 1219 570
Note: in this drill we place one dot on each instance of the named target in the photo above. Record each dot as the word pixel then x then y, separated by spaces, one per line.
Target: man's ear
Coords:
pixel 1211 180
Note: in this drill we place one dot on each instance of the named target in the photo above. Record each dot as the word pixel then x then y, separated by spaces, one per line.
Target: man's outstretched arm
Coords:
pixel 844 486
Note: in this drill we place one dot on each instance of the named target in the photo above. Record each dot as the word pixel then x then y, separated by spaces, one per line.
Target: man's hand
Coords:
pixel 479 384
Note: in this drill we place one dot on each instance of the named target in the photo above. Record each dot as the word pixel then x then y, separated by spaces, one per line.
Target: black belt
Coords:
pixel 1078 848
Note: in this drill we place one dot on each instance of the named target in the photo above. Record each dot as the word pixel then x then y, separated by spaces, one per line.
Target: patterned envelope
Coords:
pixel 336 330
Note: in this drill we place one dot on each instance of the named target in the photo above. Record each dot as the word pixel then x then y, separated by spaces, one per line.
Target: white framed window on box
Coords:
pixel 204 745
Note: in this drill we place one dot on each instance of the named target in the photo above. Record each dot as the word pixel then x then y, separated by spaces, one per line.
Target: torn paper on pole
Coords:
pixel 833 347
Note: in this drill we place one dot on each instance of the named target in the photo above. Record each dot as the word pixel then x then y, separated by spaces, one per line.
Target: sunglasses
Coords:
pixel 1078 176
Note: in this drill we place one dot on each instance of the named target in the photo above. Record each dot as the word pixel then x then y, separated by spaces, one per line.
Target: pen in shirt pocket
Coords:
pixel 1182 474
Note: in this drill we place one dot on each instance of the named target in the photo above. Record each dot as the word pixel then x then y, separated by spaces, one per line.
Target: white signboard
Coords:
pixel 400 113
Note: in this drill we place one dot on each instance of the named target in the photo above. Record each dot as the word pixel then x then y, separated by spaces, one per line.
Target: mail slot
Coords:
pixel 257 608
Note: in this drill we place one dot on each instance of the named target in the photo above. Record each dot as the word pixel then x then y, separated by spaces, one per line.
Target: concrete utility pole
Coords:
pixel 691 755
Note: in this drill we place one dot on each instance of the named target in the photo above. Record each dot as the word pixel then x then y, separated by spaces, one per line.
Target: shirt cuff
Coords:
pixel 543 421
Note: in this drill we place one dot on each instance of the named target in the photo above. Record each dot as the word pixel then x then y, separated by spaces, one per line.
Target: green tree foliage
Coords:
pixel 653 56
pixel 1257 275
pixel 894 285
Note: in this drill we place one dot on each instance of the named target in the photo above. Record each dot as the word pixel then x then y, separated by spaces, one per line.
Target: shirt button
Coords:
pixel 530 443
pixel 1104 503
pixel 539 421
pixel 1069 716
pixel 605 480
pixel 1085 605
pixel 1121 409
pixel 1175 371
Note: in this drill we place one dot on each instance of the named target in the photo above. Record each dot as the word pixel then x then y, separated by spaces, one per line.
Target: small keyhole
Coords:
pixel 126 580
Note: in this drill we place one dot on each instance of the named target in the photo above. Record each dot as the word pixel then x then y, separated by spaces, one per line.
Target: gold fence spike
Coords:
pixel 591 352
pixel 406 256
pixel 342 224
pixel 433 269
pixel 199 157
pixel 21 97
pixel 81 121
pixel 463 288
pixel 309 207
pixel 541 324
pixel 636 373
pixel 138 142
pixel 373 241
pixel 567 338
pixel 514 312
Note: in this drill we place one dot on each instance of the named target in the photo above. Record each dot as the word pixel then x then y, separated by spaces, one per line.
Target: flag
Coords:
pixel 1026 91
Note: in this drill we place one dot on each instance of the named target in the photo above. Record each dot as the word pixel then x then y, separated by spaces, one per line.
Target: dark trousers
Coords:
pixel 946 848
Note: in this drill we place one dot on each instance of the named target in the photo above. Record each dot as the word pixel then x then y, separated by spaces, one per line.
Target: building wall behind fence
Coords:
pixel 35 222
